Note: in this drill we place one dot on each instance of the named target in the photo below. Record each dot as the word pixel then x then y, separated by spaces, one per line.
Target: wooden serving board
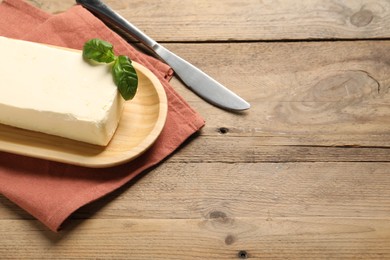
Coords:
pixel 141 123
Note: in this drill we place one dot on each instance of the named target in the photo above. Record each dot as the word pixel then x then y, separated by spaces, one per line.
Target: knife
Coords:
pixel 195 79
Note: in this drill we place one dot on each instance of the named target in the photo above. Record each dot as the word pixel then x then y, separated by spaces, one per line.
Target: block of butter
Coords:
pixel 55 91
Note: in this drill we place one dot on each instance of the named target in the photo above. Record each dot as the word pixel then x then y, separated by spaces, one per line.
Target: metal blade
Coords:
pixel 201 83
pixel 195 79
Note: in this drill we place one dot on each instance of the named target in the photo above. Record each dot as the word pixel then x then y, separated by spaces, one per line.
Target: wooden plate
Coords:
pixel 141 123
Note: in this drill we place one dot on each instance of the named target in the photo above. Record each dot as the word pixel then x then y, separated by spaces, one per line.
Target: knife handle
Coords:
pixel 108 15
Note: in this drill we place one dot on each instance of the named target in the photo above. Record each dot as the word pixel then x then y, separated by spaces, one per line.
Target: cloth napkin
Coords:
pixel 52 191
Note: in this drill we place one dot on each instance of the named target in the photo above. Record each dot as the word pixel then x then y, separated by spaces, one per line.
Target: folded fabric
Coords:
pixel 51 191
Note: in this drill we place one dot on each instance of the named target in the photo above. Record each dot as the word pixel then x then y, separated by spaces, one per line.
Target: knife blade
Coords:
pixel 199 82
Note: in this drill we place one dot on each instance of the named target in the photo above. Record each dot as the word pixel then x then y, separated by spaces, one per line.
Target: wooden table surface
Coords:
pixel 305 173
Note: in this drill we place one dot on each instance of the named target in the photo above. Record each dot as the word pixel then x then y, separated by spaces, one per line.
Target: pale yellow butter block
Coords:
pixel 55 91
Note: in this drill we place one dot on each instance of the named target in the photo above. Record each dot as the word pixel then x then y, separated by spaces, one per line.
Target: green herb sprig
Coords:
pixel 123 72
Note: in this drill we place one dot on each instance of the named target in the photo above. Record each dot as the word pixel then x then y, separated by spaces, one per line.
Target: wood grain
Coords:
pixel 311 93
pixel 247 190
pixel 254 190
pixel 304 174
pixel 215 237
pixel 318 209
pixel 250 20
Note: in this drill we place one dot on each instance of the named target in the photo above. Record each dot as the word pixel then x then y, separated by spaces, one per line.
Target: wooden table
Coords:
pixel 305 173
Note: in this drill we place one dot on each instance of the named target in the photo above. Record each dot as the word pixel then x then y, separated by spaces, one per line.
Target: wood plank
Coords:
pixel 216 237
pixel 303 93
pixel 233 149
pixel 267 210
pixel 186 191
pixel 249 20
pixel 198 190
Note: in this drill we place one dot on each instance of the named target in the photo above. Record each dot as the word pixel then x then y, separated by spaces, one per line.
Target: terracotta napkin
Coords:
pixel 52 191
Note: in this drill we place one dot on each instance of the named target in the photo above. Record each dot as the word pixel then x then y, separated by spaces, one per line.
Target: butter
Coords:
pixel 54 91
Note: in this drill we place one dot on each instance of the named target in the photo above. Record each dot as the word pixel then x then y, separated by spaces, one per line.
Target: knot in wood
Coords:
pixel 220 217
pixel 362 18
pixel 230 239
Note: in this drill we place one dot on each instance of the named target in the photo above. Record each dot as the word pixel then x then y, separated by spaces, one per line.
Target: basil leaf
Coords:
pixel 125 77
pixel 123 72
pixel 99 50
